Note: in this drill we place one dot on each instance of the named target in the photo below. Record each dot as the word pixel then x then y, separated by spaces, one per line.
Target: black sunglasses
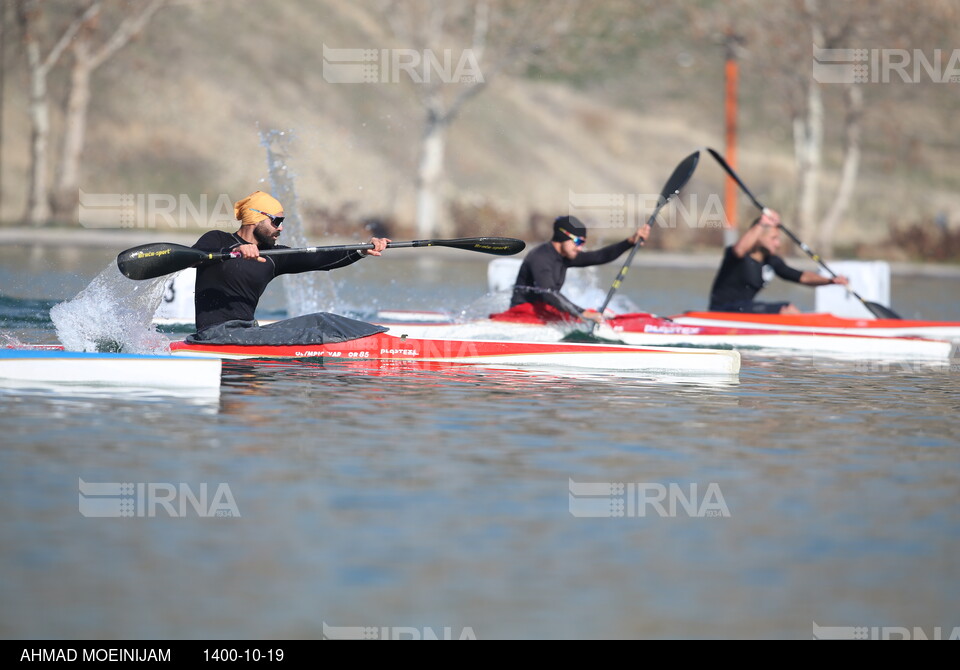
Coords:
pixel 275 220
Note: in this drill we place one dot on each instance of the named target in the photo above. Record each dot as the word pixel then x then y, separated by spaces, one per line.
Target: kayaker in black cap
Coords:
pixel 541 276
pixel 740 276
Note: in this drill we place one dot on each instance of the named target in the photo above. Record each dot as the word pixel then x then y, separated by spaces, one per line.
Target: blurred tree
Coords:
pixel 79 37
pixel 39 64
pixel 782 39
pixel 500 36
pixel 829 29
pixel 3 80
pixel 91 46
pixel 504 37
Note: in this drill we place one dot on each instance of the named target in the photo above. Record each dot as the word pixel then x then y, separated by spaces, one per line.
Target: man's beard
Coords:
pixel 264 240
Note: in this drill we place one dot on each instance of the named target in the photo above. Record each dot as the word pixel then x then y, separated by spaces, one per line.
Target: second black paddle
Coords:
pixel 876 309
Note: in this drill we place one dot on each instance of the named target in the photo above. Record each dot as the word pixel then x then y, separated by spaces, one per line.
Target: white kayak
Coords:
pixel 54 366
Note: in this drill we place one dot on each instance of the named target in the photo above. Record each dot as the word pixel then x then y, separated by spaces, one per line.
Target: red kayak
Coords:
pixel 501 353
pixel 641 329
pixel 824 323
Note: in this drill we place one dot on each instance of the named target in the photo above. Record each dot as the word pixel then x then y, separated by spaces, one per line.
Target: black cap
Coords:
pixel 571 224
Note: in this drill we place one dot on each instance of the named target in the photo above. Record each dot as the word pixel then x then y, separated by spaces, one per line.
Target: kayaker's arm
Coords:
pixel 784 271
pixel 747 242
pixel 805 277
pixel 613 251
pixel 603 255
pixel 318 260
pixel 326 260
pixel 214 241
pixel 555 299
pixel 546 286
pixel 564 303
pixel 814 279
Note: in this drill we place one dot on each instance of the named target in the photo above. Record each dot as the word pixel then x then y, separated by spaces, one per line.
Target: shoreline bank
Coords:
pixel 124 239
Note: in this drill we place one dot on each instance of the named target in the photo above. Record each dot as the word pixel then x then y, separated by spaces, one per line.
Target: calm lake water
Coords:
pixel 807 494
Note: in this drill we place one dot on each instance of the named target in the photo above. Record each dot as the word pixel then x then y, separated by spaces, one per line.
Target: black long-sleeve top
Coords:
pixel 231 289
pixel 740 279
pixel 544 270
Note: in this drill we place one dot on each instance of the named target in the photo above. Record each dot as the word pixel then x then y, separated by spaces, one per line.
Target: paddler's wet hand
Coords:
pixel 642 235
pixel 379 244
pixel 770 218
pixel 591 315
pixel 250 252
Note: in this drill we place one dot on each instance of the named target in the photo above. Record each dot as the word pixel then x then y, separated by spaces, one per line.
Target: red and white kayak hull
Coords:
pixel 825 324
pixel 646 330
pixel 499 353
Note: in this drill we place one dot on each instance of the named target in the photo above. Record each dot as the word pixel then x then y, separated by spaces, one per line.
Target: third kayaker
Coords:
pixel 541 276
pixel 740 276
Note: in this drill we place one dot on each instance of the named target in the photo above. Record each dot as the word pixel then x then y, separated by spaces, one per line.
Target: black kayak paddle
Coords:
pixel 155 260
pixel 681 175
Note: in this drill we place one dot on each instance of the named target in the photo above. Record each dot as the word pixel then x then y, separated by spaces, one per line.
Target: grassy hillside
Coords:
pixel 180 111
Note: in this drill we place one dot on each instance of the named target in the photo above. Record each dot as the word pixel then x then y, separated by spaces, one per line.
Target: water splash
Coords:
pixel 10 340
pixel 584 288
pixel 308 292
pixel 113 313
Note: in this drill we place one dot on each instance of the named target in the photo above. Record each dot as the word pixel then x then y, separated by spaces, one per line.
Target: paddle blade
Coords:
pixel 497 246
pixel 880 311
pixel 733 175
pixel 681 175
pixel 155 260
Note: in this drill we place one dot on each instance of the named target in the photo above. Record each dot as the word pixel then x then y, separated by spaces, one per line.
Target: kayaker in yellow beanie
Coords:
pixel 261 222
pixel 230 290
pixel 256 207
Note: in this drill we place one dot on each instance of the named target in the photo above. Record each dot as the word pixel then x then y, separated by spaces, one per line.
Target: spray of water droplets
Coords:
pixel 308 292
pixel 9 340
pixel 113 313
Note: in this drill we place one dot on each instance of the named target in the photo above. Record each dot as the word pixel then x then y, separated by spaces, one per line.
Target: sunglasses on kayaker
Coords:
pixel 579 241
pixel 275 220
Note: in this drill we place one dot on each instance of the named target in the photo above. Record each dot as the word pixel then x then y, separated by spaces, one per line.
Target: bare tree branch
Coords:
pixel 128 28
pixel 61 44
